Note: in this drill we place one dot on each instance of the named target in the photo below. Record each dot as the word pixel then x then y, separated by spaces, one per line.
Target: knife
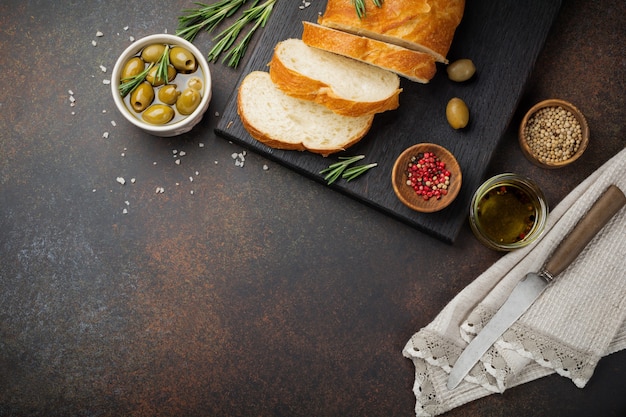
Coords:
pixel 533 284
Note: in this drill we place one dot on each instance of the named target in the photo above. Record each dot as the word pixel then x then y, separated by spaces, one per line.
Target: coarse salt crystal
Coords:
pixel 121 180
pixel 72 99
pixel 265 167
pixel 234 155
pixel 113 123
pixel 132 180
pixel 125 27
pixel 99 34
pixel 103 68
pixel 94 43
pixel 182 153
pixel 160 190
pixel 191 192
pixel 106 82
pixel 70 92
pixel 177 162
pixel 190 179
pixel 125 211
pixel 105 135
pixel 132 38
pixel 201 145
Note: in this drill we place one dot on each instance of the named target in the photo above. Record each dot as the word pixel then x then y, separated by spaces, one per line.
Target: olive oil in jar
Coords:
pixel 506 213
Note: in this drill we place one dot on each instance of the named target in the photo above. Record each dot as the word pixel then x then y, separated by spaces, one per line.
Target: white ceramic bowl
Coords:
pixel 172 128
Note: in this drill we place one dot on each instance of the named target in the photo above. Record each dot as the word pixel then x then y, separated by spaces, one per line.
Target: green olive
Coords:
pixel 188 101
pixel 157 81
pixel 183 60
pixel 457 113
pixel 158 114
pixel 142 97
pixel 168 94
pixel 132 67
pixel 152 53
pixel 461 70
pixel 195 83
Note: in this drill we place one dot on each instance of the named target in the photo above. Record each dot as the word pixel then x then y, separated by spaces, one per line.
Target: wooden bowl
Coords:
pixel 532 155
pixel 407 194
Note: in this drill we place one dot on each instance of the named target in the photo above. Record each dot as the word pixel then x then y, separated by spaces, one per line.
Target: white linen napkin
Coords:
pixel 577 320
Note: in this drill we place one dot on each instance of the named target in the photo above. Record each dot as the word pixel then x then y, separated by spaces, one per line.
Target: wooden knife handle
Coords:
pixel 598 215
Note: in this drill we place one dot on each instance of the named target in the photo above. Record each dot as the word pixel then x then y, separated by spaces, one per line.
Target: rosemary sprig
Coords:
pixel 129 84
pixel 342 169
pixel 260 14
pixel 257 14
pixel 359 5
pixel 206 16
pixel 164 62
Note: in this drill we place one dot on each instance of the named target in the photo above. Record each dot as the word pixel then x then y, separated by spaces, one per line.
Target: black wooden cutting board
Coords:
pixel 503 38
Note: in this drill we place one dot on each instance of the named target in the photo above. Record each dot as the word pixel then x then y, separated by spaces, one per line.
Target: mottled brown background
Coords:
pixel 262 293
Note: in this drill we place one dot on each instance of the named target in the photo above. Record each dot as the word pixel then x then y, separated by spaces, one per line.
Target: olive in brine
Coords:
pixel 195 83
pixel 188 101
pixel 152 53
pixel 142 97
pixel 133 66
pixel 168 94
pixel 158 114
pixel 183 60
pixel 157 81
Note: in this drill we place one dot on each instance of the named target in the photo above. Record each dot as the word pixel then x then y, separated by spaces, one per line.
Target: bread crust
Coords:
pixel 422 25
pixel 414 65
pixel 272 137
pixel 300 86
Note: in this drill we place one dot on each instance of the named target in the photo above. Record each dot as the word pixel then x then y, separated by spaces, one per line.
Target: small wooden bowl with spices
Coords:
pixel 426 177
pixel 553 134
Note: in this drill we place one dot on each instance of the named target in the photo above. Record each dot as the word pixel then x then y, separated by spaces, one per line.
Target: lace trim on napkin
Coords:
pixel 429 348
pixel 530 344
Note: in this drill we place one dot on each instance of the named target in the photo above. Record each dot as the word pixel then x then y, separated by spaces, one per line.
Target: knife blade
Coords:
pixel 533 284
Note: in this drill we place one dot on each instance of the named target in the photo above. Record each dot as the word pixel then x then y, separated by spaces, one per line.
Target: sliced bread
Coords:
pixel 344 85
pixel 413 65
pixel 422 25
pixel 284 122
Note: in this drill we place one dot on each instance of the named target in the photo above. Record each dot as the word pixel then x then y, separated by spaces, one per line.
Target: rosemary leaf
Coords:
pixel 335 171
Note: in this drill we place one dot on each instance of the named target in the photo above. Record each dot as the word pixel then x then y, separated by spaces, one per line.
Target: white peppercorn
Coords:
pixel 553 134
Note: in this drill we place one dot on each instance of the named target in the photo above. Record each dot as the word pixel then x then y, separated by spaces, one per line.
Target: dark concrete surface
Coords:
pixel 262 293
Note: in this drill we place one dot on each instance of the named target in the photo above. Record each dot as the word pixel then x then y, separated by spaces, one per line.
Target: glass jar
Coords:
pixel 508 212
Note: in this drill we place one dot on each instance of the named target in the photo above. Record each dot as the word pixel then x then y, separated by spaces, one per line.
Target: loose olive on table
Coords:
pixel 457 113
pixel 461 70
pixel 157 101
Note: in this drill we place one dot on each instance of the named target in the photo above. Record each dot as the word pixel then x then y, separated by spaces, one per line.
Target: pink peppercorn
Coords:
pixel 428 176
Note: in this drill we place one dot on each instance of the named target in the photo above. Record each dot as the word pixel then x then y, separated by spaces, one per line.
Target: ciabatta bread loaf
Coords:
pixel 422 25
pixel 344 85
pixel 413 65
pixel 284 122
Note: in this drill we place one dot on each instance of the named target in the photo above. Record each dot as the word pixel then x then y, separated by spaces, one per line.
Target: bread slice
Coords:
pixel 344 85
pixel 284 122
pixel 413 65
pixel 421 25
